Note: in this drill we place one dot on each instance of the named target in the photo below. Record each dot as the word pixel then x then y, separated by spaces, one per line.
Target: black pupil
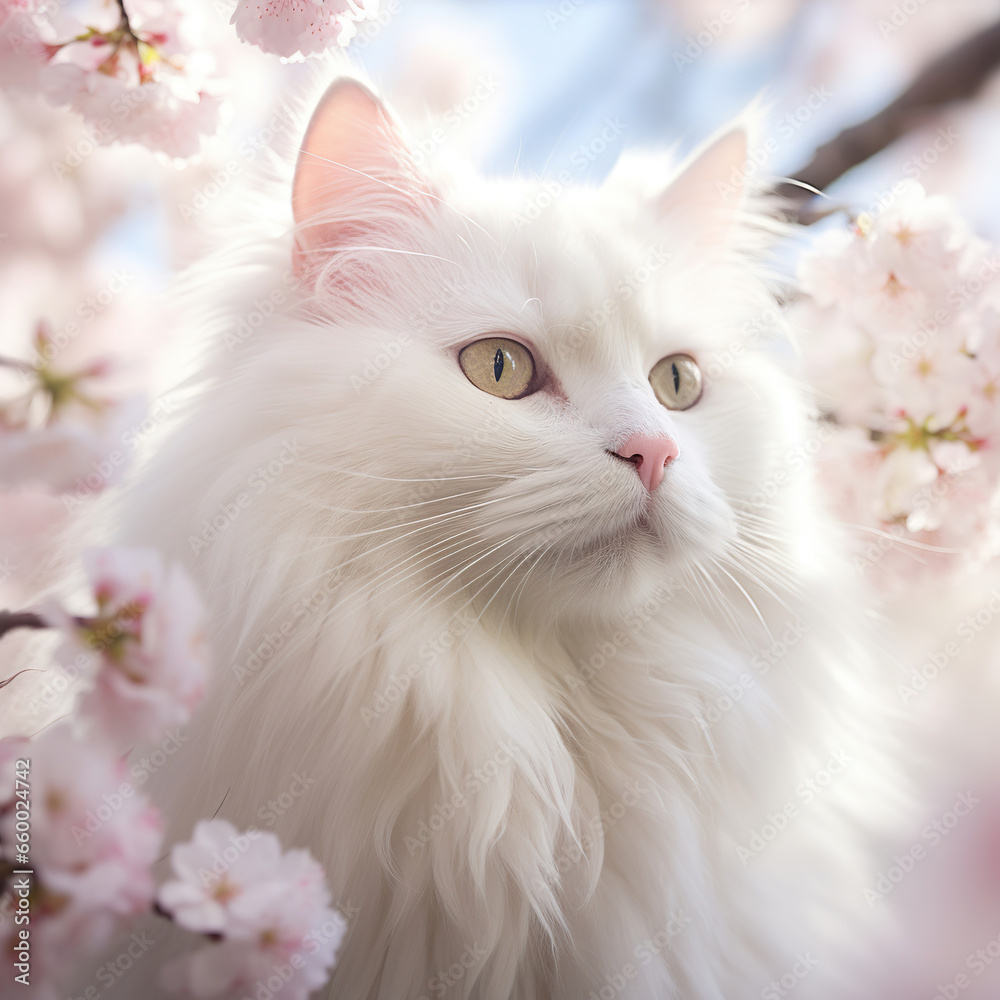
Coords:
pixel 498 364
pixel 677 377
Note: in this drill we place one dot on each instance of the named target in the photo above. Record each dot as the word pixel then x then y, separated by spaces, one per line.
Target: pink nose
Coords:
pixel 650 456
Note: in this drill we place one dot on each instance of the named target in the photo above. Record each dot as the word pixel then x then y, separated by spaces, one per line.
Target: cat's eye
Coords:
pixel 499 366
pixel 676 380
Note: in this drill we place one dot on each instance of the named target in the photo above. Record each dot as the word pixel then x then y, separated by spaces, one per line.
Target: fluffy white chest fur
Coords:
pixel 551 661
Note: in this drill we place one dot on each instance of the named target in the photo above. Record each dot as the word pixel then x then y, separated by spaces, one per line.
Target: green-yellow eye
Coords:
pixel 676 380
pixel 499 366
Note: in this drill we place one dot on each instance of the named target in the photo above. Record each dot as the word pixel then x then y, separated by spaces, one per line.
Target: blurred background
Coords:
pixel 546 87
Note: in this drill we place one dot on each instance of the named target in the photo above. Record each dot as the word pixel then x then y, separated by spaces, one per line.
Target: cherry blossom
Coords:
pixel 26 38
pixel 904 473
pixel 270 909
pixel 133 68
pixel 92 846
pixel 55 196
pixel 902 338
pixel 69 456
pixel 919 239
pixel 60 430
pixel 984 394
pixel 147 641
pixel 289 27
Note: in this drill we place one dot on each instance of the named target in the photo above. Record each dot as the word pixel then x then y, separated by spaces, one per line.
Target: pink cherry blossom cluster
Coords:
pixel 92 845
pixel 140 71
pixel 270 912
pixel 145 650
pixel 70 817
pixel 901 335
pixel 292 27
pixel 93 839
pixel 134 70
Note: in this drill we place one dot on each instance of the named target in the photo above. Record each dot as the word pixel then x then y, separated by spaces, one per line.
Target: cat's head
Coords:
pixel 536 392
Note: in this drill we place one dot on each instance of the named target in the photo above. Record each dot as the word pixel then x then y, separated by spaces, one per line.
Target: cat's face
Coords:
pixel 544 401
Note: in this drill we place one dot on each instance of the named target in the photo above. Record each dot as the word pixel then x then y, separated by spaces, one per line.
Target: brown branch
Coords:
pixel 20 619
pixel 955 76
pixel 18 365
pixel 13 677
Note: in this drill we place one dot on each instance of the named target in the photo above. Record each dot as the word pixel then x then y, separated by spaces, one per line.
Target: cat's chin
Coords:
pixel 652 550
pixel 614 572
pixel 668 531
pixel 641 534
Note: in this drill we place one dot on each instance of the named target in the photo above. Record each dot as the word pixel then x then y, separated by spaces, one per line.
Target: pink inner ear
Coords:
pixel 350 172
pixel 706 197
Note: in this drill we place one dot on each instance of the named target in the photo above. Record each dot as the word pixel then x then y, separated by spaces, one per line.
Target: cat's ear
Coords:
pixel 353 173
pixel 706 196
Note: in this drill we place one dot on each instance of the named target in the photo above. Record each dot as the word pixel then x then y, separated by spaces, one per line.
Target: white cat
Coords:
pixel 528 623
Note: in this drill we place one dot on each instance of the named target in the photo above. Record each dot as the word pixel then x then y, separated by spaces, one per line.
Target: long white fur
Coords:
pixel 475 562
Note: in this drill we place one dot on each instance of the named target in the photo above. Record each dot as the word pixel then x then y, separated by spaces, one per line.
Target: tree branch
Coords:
pixel 955 76
pixel 20 619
